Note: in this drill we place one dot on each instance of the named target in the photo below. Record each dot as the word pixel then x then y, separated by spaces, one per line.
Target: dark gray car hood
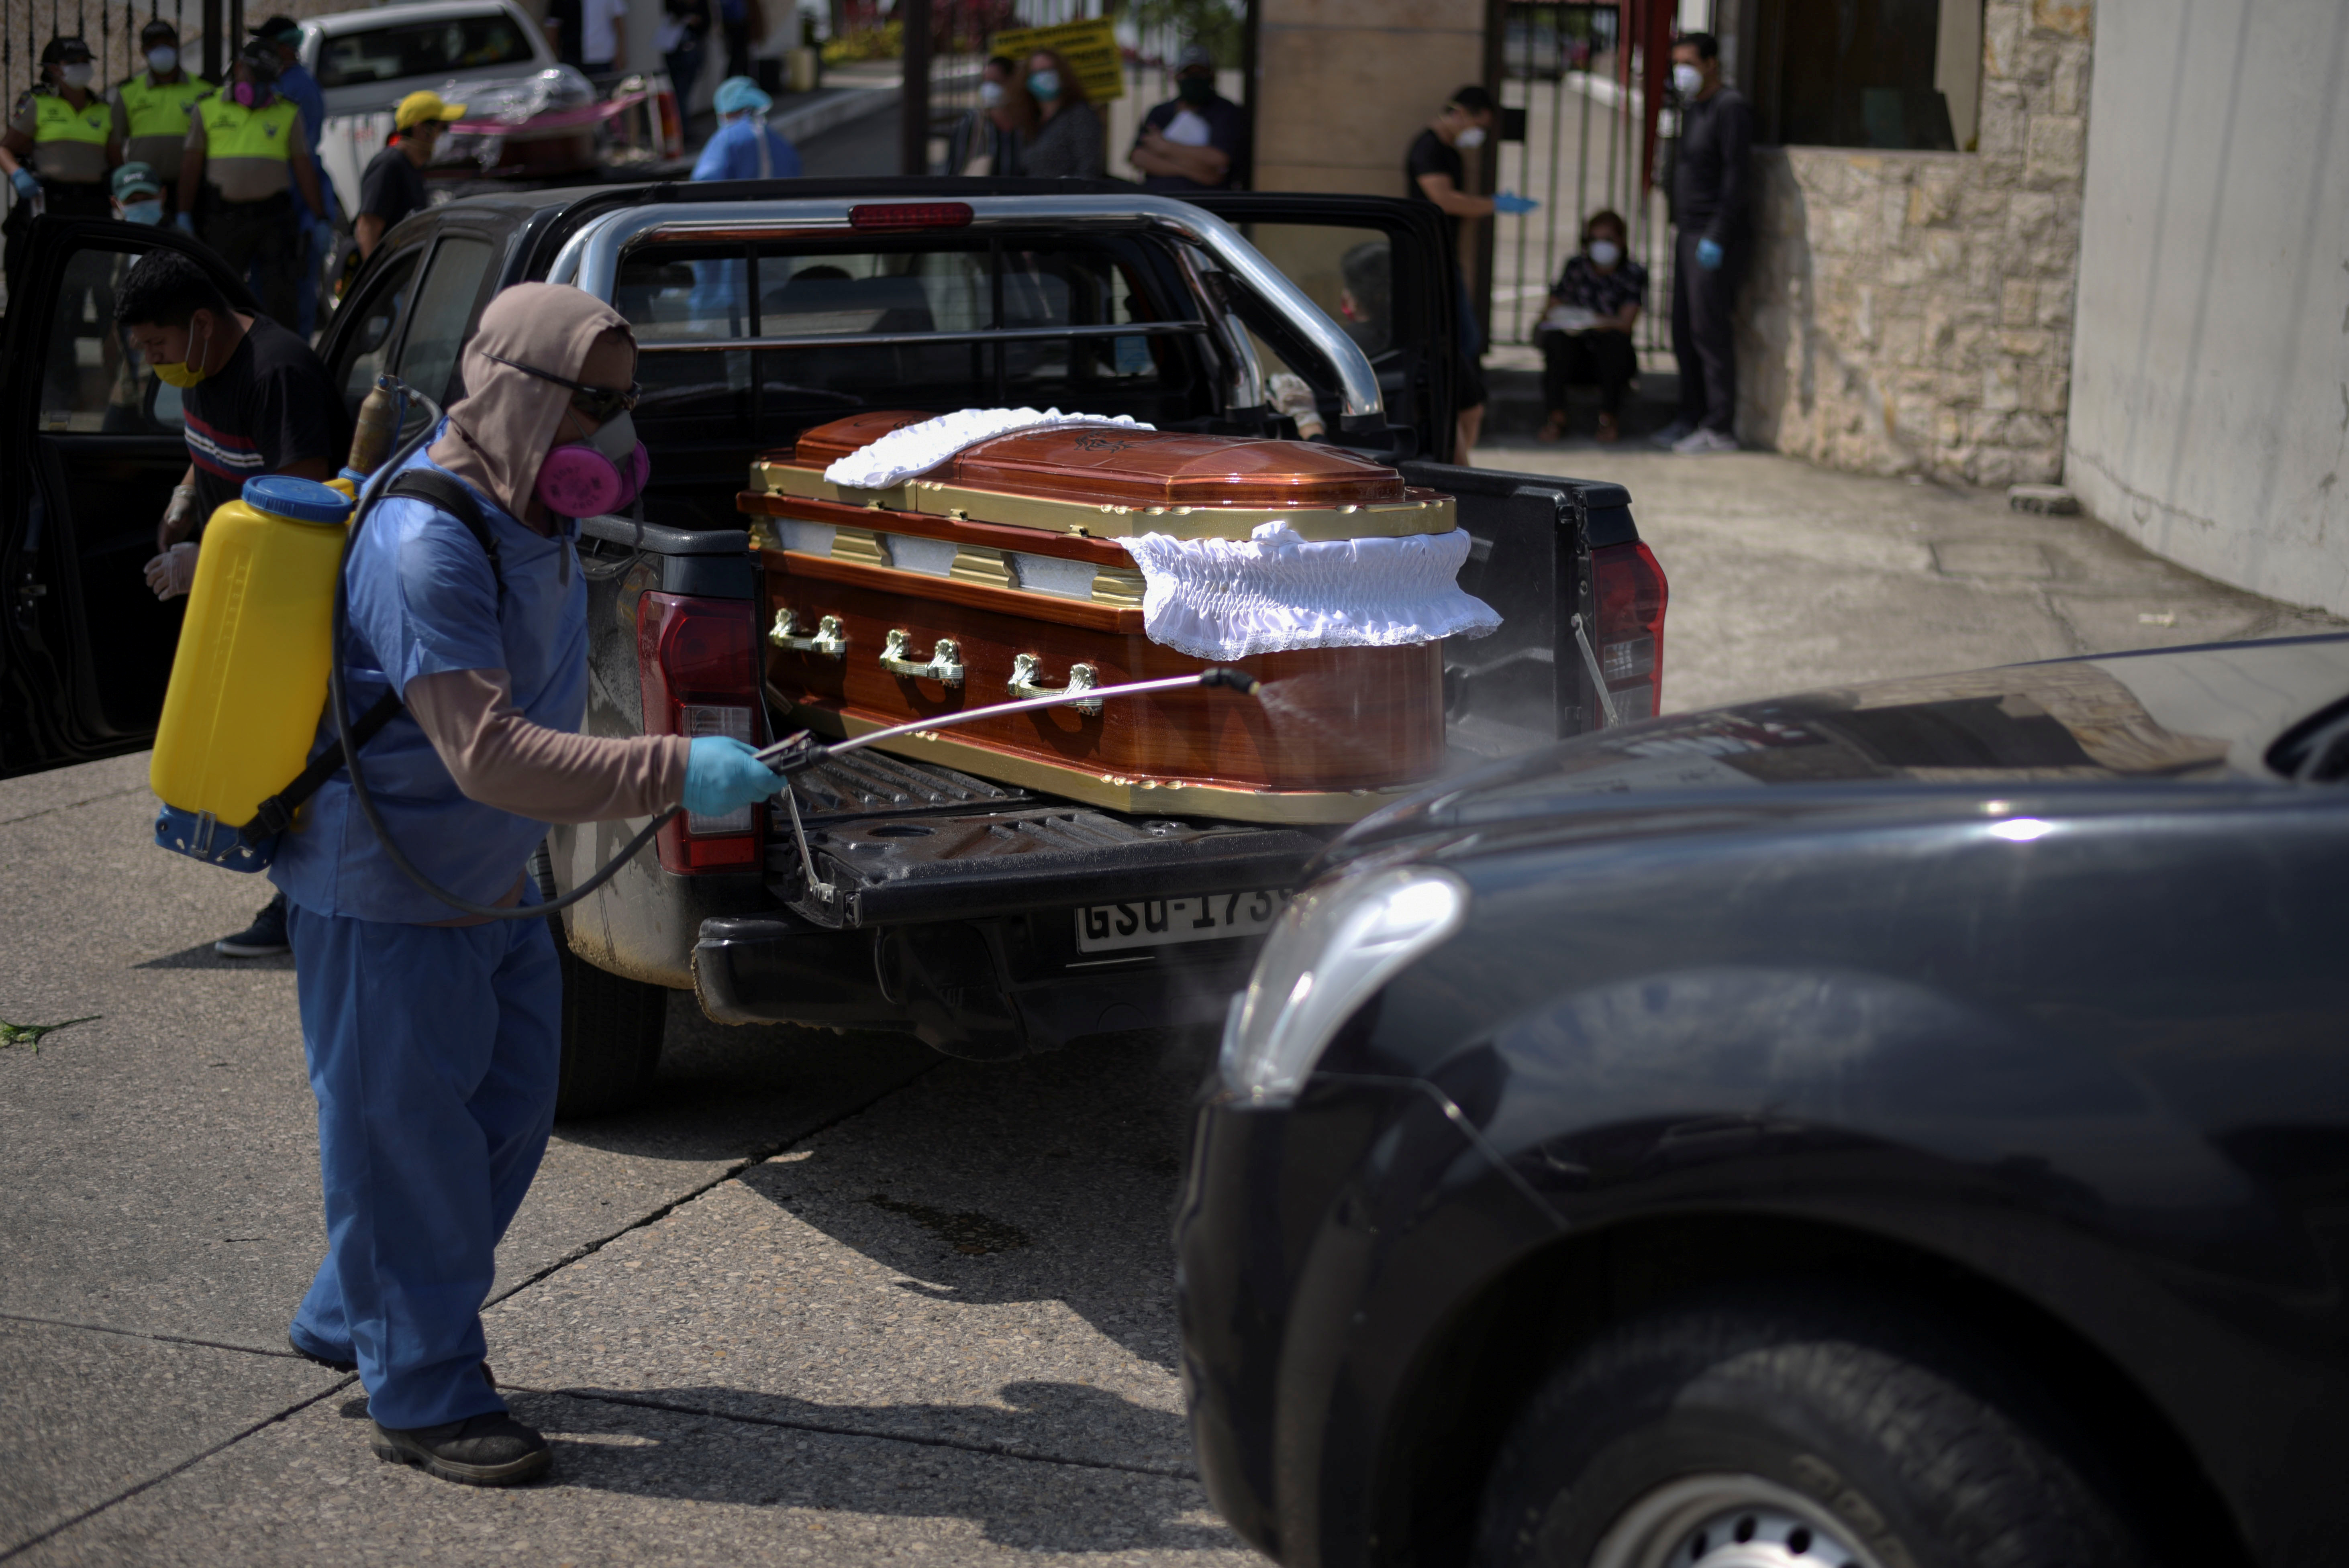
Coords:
pixel 2205 715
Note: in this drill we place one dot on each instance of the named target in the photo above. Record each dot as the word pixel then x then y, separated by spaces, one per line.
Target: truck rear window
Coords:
pixel 857 322
pixel 423 49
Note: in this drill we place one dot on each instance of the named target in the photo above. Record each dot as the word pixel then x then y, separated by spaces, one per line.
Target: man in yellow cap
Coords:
pixel 393 186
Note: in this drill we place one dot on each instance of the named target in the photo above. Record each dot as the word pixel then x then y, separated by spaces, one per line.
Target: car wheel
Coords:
pixel 611 1029
pixel 1762 1429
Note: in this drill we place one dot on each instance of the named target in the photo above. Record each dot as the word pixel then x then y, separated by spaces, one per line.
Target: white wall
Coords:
pixel 2210 406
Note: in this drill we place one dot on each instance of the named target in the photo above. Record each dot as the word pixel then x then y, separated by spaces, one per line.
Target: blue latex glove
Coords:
pixel 723 774
pixel 1510 201
pixel 186 223
pixel 26 186
pixel 1708 254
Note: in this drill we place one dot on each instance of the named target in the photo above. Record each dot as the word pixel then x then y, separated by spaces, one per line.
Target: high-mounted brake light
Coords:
pixel 698 665
pixel 912 215
pixel 1631 592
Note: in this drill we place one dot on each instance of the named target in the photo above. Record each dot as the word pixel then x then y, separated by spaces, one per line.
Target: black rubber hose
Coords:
pixel 335 700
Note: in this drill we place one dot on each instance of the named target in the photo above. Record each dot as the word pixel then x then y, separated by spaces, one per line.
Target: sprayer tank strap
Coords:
pixel 276 813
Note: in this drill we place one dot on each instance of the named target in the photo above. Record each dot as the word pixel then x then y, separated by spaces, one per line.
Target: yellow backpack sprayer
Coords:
pixel 259 656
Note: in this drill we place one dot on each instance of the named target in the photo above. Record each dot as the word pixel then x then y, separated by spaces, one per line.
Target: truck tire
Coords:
pixel 1760 1427
pixel 611 1029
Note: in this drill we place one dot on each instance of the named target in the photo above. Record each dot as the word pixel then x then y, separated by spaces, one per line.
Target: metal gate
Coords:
pixel 1575 81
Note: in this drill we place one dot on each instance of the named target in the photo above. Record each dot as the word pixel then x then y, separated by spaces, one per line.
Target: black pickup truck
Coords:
pixel 957 900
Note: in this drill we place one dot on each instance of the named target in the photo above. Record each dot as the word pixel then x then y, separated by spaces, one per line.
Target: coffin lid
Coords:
pixel 1114 466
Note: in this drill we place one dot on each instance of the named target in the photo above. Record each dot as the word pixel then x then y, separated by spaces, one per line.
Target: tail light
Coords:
pixel 668 124
pixel 697 661
pixel 1630 590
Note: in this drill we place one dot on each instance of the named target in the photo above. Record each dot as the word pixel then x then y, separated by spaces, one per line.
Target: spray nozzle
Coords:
pixel 1239 681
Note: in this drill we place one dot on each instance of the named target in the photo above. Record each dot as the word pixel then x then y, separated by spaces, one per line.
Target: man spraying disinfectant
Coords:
pixel 434 1042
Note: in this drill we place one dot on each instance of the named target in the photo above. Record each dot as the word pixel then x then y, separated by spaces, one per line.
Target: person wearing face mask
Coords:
pixel 1195 141
pixel 244 144
pixel 992 139
pixel 138 193
pixel 1712 187
pixel 1068 143
pixel 255 400
pixel 434 1042
pixel 1434 170
pixel 746 147
pixel 151 110
pixel 1586 337
pixel 58 147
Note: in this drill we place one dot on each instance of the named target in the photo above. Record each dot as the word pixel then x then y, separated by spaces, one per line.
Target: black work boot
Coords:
pixel 493 1449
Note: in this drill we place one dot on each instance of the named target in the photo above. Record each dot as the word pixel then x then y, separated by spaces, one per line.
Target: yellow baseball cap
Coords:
pixel 417 107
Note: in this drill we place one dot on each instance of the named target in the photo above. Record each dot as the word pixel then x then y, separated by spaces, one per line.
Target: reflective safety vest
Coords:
pixel 159 110
pixel 232 130
pixel 60 122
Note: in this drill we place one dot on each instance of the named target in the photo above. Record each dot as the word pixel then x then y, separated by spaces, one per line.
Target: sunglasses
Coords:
pixel 599 403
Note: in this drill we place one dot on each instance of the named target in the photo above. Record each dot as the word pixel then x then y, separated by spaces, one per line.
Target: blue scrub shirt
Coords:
pixel 733 154
pixel 422 602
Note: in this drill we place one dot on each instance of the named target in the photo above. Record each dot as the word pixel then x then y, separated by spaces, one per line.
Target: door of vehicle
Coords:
pixel 90 445
pixel 1385 270
pixel 411 313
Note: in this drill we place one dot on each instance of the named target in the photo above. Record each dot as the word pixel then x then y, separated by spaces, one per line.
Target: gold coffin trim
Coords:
pixel 936 499
pixel 1115 792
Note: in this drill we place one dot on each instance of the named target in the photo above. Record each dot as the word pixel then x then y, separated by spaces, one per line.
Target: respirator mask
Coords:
pixel 1687 80
pixel 77 74
pixel 991 94
pixel 600 474
pixel 1471 138
pixel 163 60
pixel 1606 252
pixel 252 95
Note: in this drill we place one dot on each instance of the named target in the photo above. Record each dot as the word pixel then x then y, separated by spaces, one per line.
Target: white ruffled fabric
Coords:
pixel 918 449
pixel 1228 599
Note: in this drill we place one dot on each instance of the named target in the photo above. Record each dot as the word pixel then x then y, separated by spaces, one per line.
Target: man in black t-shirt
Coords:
pixel 1434 172
pixel 393 186
pixel 1196 140
pixel 253 400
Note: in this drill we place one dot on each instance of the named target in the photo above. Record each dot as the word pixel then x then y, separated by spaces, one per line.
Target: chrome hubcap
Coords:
pixel 1728 1522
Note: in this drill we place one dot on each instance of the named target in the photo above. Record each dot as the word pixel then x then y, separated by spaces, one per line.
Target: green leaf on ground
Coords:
pixel 30 1034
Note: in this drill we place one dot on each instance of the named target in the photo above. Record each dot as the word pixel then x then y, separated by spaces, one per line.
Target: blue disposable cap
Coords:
pixel 304 500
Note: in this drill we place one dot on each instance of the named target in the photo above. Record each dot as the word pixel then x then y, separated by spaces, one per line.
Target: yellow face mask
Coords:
pixel 183 374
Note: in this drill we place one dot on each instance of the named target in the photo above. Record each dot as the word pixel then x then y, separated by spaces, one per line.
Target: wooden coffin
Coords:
pixel 1006 552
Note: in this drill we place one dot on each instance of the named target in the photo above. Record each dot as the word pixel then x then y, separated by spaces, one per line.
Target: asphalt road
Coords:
pixel 826 1297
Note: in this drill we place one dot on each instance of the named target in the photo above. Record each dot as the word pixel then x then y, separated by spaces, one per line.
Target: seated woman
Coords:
pixel 1586 336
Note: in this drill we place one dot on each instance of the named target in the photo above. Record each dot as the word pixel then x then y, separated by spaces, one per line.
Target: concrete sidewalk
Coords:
pixel 1786 577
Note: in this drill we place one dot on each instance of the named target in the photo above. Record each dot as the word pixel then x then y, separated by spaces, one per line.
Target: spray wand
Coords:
pixel 797 753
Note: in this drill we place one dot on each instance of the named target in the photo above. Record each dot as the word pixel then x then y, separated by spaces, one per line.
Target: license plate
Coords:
pixel 1162 921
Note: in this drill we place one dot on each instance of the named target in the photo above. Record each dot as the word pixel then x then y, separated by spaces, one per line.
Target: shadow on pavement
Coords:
pixel 669 1430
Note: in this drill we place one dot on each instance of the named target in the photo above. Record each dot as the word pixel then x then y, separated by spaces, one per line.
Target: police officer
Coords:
pixel 153 109
pixel 67 133
pixel 242 141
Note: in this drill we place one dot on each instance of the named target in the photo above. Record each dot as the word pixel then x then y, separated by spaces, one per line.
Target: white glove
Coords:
pixel 180 518
pixel 174 573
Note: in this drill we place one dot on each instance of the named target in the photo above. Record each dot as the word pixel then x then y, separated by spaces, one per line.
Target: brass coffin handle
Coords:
pixel 830 642
pixel 1026 667
pixel 943 665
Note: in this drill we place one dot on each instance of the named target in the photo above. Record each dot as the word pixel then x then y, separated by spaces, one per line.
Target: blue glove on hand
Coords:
pixel 187 224
pixel 723 774
pixel 1511 202
pixel 26 186
pixel 1708 254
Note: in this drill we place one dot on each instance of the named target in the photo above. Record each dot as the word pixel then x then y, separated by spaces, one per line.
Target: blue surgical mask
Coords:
pixel 163 61
pixel 1606 252
pixel 148 212
pixel 1045 85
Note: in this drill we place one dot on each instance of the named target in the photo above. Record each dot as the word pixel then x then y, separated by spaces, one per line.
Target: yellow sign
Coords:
pixel 1089 47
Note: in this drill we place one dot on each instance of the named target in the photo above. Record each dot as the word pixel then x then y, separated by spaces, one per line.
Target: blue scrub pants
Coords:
pixel 433 1053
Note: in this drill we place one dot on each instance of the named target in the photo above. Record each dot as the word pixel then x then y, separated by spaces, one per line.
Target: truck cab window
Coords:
pixel 362 355
pixel 92 381
pixel 444 309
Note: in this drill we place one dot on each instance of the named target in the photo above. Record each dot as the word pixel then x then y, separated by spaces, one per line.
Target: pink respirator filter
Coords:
pixel 580 481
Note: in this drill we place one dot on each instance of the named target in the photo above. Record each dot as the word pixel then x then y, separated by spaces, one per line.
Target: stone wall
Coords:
pixel 1912 312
